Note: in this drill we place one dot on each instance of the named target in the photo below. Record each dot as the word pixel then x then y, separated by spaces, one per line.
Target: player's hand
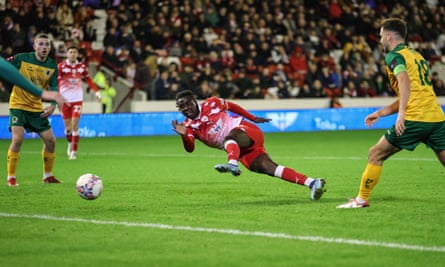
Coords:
pixel 261 120
pixel 371 119
pixel 179 128
pixel 48 111
pixel 54 96
pixel 400 124
pixel 98 96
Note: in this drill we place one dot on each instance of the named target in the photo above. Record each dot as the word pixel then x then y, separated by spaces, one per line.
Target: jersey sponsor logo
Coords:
pixel 216 128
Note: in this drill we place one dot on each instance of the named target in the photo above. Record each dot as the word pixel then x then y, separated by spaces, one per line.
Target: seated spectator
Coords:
pixel 244 85
pixel 109 59
pixel 298 62
pixel 365 90
pixel 64 15
pixel 350 89
pixel 162 86
pixel 257 92
pixel 252 70
pixel 312 90
pixel 226 87
pixel 328 81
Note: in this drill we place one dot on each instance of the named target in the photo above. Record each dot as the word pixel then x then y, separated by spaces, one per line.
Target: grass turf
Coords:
pixel 162 206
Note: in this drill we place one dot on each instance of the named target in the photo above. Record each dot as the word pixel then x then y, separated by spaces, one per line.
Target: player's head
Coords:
pixel 187 104
pixel 72 53
pixel 42 46
pixel 392 32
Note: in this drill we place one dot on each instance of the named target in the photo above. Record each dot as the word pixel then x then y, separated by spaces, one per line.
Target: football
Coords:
pixel 89 186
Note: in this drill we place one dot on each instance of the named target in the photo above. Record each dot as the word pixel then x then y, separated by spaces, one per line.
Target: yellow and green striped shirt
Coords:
pixel 42 74
pixel 422 103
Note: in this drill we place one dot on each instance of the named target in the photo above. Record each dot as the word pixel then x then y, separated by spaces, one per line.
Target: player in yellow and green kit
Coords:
pixel 26 111
pixel 419 116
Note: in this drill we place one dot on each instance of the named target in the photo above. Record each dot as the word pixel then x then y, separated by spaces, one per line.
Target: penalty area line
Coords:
pixel 232 232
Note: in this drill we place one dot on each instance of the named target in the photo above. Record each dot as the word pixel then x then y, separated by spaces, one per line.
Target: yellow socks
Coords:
pixel 13 158
pixel 48 161
pixel 370 177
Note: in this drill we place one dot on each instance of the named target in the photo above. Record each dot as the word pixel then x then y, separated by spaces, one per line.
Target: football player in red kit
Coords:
pixel 71 74
pixel 242 140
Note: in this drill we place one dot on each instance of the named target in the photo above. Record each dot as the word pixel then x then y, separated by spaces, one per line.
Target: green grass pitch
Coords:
pixel 162 206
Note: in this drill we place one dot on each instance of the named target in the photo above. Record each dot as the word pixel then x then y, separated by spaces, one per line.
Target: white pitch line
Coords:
pixel 233 232
pixel 158 155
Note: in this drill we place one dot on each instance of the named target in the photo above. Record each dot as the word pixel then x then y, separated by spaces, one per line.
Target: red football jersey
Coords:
pixel 214 123
pixel 70 80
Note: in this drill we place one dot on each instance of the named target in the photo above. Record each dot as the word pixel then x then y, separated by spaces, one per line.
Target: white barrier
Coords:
pixel 92 107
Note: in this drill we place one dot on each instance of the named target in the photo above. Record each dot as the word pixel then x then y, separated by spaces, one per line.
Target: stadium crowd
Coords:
pixel 235 49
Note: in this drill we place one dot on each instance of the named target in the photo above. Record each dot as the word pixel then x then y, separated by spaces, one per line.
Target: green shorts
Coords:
pixel 31 121
pixel 430 133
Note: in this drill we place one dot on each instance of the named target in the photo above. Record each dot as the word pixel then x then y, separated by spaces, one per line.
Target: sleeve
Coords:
pixel 231 106
pixel 89 81
pixel 13 75
pixel 91 84
pixel 188 140
pixel 395 62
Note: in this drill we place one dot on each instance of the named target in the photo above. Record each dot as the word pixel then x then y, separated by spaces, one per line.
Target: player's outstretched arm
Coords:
pixel 233 107
pixel 11 74
pixel 187 140
pixel 53 96
pixel 179 128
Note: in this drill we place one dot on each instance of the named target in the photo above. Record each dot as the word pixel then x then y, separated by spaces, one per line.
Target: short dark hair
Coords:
pixel 395 25
pixel 185 93
pixel 73 47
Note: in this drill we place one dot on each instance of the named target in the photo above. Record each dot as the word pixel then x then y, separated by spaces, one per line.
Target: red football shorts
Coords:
pixel 73 111
pixel 257 148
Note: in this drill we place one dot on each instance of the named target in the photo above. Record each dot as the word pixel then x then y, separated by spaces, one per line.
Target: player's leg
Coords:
pixel 76 109
pixel 371 175
pixel 378 153
pixel 234 142
pixel 48 155
pixel 66 115
pixel 75 138
pixel 437 142
pixel 17 133
pixel 441 156
pixel 68 134
pixel 259 161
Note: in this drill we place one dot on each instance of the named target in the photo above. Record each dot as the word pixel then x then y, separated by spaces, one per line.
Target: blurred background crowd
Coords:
pixel 237 49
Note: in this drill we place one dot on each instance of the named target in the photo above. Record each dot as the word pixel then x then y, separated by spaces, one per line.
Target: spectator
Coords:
pixel 226 87
pixel 111 38
pixel 244 85
pixel 19 39
pixel 64 15
pixel 162 86
pixel 109 58
pixel 108 93
pixel 328 81
pixel 89 32
pixel 335 103
pixel 350 89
